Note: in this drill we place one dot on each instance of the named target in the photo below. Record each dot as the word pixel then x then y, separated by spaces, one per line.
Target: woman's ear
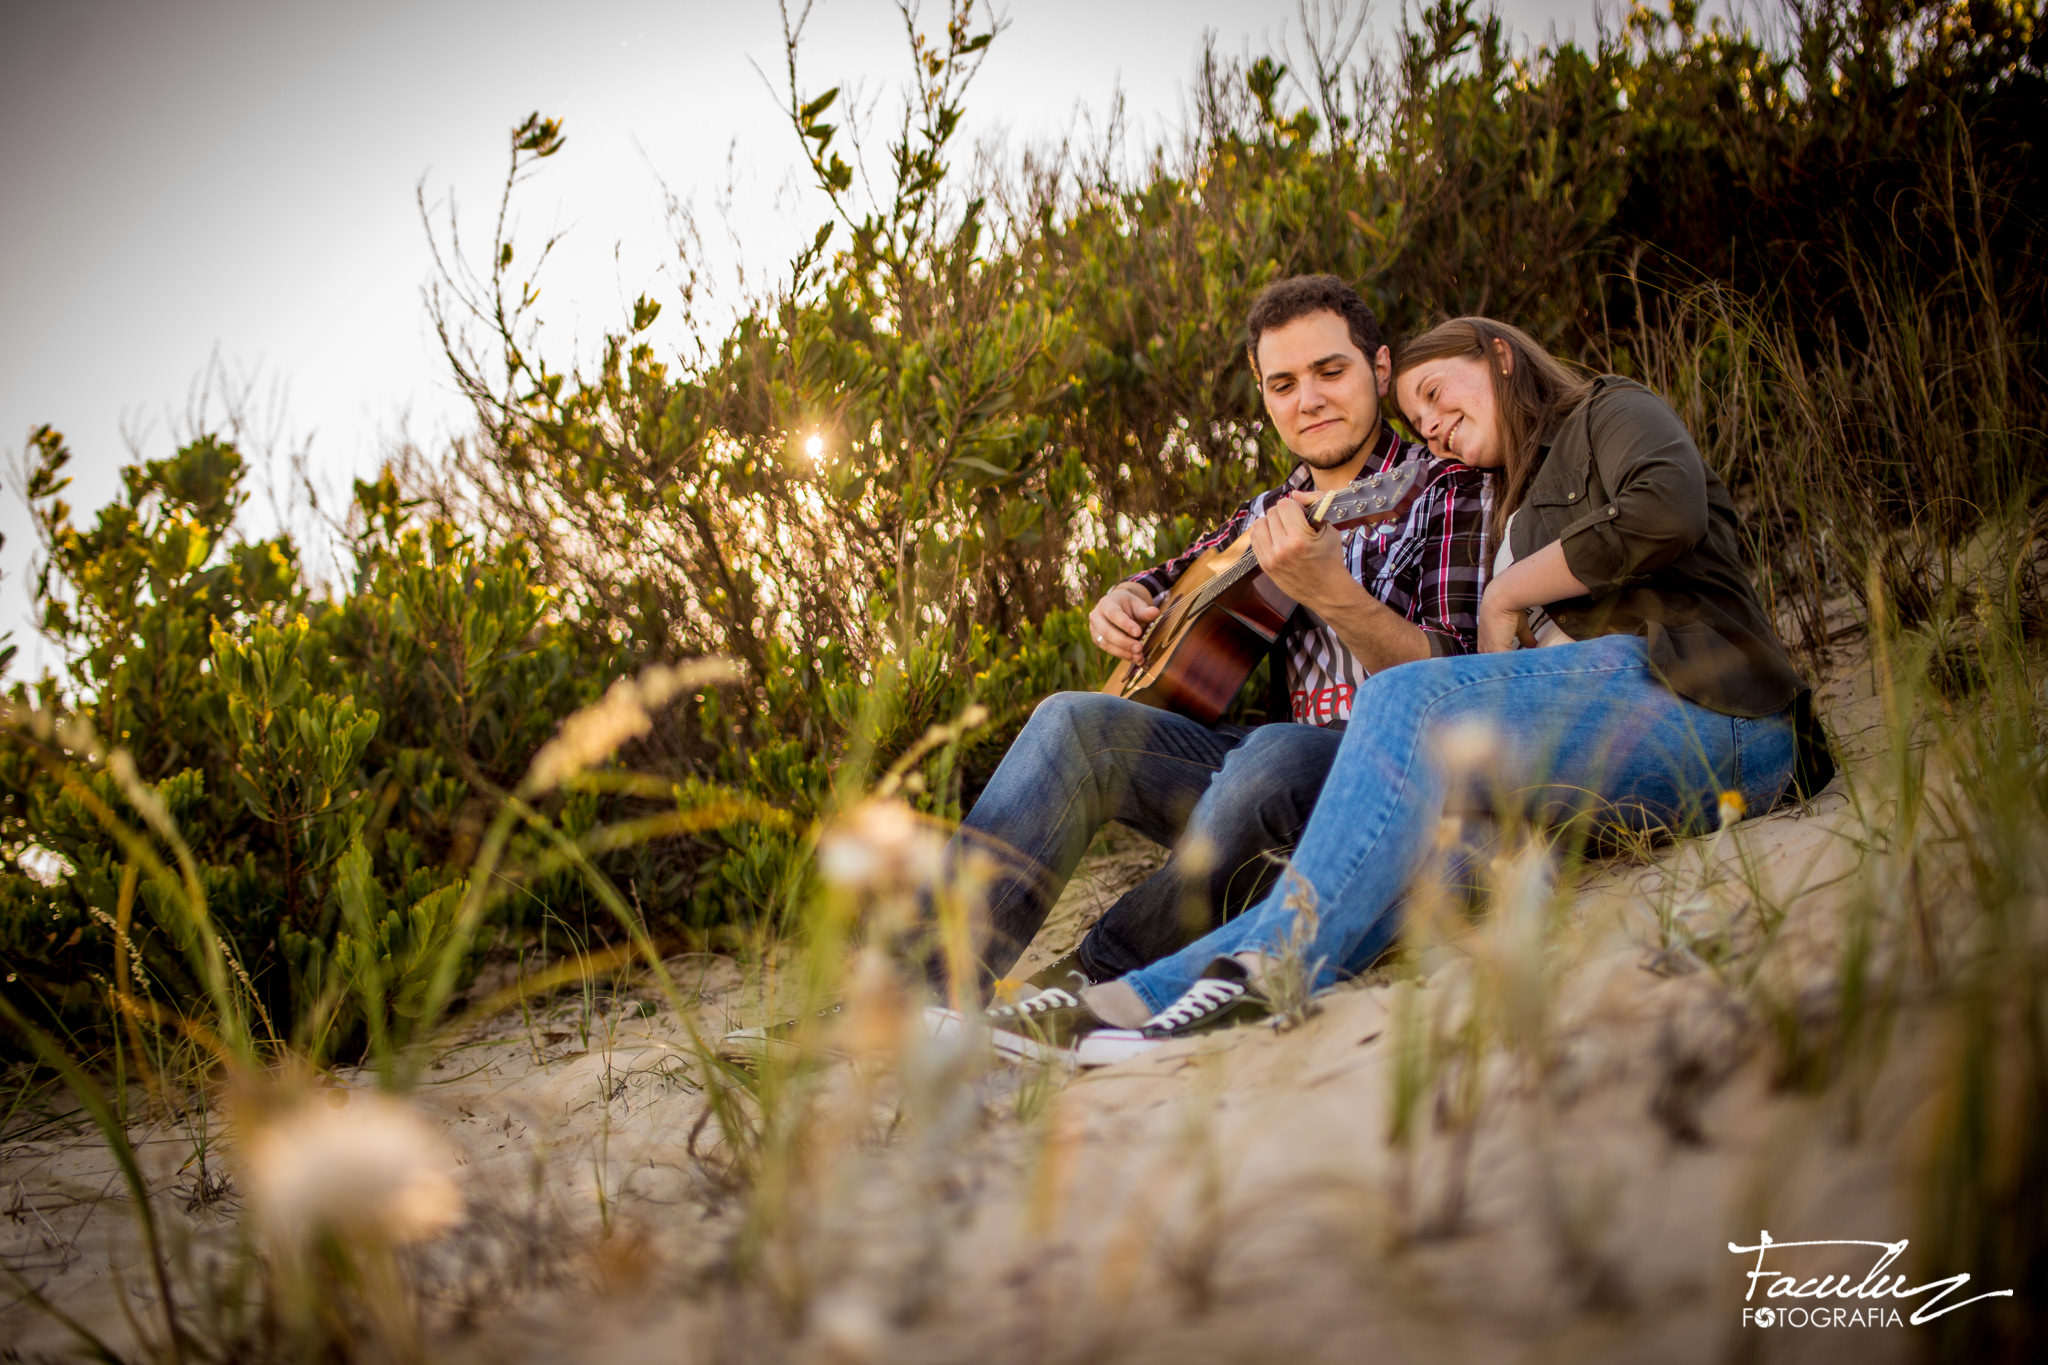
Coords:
pixel 1504 356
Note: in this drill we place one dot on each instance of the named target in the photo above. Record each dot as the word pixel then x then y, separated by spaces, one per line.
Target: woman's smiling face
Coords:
pixel 1451 404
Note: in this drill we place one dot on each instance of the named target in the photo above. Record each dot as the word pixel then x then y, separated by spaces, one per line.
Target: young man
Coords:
pixel 1226 798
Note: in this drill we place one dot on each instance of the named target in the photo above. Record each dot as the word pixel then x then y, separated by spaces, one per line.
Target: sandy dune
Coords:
pixel 1593 1119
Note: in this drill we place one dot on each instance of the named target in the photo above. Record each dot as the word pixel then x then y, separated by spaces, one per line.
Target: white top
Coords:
pixel 1546 631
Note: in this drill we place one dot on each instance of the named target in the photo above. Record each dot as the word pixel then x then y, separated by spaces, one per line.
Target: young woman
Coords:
pixel 1627 672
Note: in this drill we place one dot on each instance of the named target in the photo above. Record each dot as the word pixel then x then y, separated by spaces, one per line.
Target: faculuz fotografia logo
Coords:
pixel 1844 1299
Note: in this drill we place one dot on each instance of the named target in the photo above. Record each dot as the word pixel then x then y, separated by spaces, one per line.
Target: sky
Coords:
pixel 187 184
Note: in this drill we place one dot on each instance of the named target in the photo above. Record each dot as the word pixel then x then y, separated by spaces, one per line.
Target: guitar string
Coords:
pixel 1205 596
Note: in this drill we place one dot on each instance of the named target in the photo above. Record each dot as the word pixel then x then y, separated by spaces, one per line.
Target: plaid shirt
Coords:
pixel 1428 566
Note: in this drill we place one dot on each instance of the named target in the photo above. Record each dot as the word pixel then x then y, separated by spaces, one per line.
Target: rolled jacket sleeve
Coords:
pixel 1656 504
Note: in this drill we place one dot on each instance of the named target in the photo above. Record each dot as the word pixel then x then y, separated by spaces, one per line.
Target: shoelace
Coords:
pixel 1042 1003
pixel 1201 999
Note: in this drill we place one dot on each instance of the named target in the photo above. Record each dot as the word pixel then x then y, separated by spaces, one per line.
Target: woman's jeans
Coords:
pixel 1561 732
pixel 1222 799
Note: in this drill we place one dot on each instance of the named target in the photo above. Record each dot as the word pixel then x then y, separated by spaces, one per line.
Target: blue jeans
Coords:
pixel 1222 799
pixel 1575 730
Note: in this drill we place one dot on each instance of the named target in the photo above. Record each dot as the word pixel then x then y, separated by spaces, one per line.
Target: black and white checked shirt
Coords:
pixel 1429 565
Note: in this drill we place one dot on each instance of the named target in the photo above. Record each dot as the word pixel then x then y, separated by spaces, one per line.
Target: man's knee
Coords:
pixel 1054 721
pixel 1065 708
pixel 1081 713
pixel 1071 737
pixel 1090 721
pixel 1276 765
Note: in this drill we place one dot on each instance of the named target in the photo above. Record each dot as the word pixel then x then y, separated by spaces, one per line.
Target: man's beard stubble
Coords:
pixel 1337 461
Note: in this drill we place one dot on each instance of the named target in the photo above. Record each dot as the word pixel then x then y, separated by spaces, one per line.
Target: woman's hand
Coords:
pixel 1501 625
pixel 1544 577
pixel 1119 620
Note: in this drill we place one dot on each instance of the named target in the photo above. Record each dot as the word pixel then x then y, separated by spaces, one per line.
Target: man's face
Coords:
pixel 1322 393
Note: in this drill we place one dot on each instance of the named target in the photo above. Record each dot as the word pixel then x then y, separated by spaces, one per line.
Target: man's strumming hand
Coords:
pixel 1119 619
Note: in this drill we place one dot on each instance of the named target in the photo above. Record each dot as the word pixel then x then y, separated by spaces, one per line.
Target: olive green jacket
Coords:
pixel 1652 533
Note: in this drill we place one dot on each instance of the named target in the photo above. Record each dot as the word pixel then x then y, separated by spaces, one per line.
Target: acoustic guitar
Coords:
pixel 1222 615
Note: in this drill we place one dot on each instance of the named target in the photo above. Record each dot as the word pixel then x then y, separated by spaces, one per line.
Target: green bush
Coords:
pixel 325 763
pixel 891 488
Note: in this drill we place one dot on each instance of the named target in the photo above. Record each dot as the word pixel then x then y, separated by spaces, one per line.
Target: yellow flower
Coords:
pixel 1733 808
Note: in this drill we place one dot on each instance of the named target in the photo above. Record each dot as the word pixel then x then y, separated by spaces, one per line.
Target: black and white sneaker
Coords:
pixel 788 1038
pixel 1000 1028
pixel 1064 972
pixel 1054 1018
pixel 1222 996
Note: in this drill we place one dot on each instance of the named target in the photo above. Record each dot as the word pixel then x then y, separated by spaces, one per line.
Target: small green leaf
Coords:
pixel 818 105
pixel 994 471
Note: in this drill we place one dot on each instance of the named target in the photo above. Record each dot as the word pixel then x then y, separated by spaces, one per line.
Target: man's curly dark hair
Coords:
pixel 1297 296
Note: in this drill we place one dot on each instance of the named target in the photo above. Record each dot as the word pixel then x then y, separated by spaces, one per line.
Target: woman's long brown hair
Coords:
pixel 1531 394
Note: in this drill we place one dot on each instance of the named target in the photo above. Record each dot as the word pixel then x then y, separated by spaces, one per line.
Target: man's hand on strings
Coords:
pixel 1119 620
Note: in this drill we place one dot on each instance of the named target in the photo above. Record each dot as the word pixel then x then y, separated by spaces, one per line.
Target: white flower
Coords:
pixel 360 1165
pixel 878 844
pixel 1466 747
pixel 850 1327
pixel 44 866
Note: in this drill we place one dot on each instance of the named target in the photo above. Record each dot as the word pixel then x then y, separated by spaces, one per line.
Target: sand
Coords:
pixel 1569 1192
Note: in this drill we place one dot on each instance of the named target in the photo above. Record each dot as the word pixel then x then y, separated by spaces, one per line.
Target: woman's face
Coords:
pixel 1451 403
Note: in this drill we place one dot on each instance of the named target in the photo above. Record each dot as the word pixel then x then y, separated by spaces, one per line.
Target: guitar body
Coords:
pixel 1197 660
pixel 1222 615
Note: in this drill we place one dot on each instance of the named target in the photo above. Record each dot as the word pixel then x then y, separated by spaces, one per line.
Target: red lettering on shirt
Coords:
pixel 1323 705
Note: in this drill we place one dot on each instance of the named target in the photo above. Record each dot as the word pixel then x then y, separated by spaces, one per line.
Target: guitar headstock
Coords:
pixel 1372 498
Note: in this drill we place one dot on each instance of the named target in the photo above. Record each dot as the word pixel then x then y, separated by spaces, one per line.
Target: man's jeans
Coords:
pixel 1222 799
pixel 1558 732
